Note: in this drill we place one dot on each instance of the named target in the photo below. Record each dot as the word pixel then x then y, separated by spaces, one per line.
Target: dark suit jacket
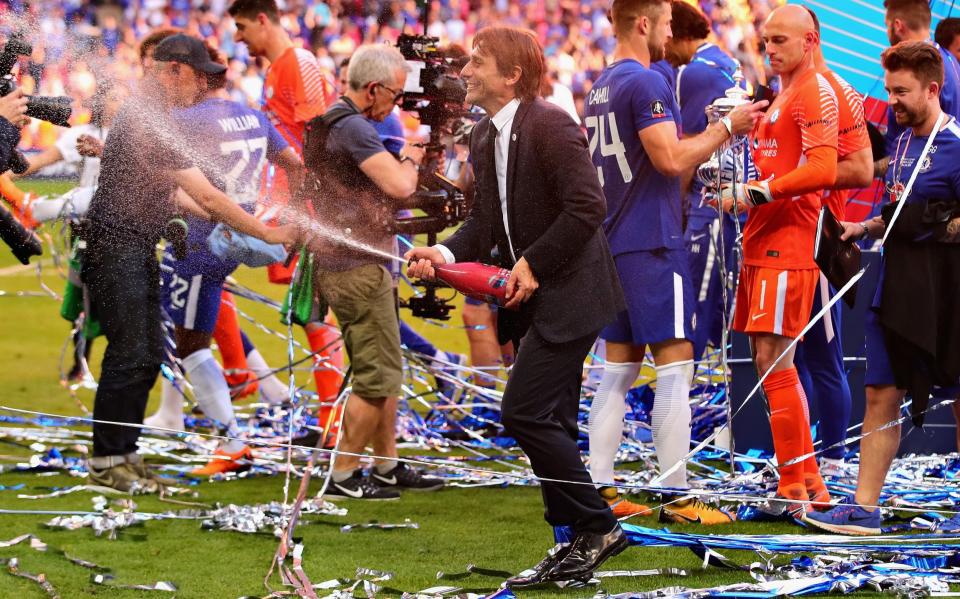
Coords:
pixel 556 207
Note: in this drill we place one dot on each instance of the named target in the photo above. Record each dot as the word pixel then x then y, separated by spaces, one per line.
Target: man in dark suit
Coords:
pixel 539 203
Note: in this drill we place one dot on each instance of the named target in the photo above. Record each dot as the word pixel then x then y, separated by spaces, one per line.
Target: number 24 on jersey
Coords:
pixel 599 128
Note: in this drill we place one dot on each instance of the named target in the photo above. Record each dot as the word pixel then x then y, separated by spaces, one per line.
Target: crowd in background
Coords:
pixel 78 42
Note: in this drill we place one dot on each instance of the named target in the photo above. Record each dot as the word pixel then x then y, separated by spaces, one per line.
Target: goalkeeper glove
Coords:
pixel 751 193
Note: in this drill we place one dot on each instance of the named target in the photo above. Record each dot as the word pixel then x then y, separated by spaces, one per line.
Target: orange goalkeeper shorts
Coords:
pixel 771 300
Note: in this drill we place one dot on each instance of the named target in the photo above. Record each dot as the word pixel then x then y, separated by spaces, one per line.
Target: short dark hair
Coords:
pixel 688 22
pixel 914 13
pixel 511 47
pixel 813 15
pixel 947 31
pixel 249 9
pixel 154 38
pixel 625 12
pixel 920 58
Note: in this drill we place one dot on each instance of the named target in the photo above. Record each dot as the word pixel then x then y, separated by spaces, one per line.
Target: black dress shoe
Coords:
pixel 587 551
pixel 538 574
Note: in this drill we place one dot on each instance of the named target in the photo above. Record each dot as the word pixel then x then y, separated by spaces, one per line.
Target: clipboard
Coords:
pixel 838 260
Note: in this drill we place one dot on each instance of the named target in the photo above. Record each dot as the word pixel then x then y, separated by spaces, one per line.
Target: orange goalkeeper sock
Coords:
pixel 325 342
pixel 816 488
pixel 787 423
pixel 242 380
pixel 13 194
pixel 19 200
pixel 325 339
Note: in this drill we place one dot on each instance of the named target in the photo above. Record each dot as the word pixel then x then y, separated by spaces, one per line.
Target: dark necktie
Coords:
pixel 492 184
pixel 493 187
pixel 492 153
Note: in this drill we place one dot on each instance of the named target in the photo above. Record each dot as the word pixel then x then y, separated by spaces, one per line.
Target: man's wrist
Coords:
pixel 413 162
pixel 865 230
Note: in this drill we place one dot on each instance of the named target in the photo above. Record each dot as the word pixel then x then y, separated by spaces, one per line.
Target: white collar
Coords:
pixel 506 114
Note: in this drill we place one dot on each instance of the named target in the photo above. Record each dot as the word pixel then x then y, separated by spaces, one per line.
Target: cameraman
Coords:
pixel 360 181
pixel 13 110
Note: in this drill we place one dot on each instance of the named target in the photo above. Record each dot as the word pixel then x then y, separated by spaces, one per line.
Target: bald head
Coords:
pixel 794 17
pixel 790 36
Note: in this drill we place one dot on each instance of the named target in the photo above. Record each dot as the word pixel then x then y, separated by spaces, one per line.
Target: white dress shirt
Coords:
pixel 503 122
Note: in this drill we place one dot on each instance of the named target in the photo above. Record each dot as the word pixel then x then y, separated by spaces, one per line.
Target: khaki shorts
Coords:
pixel 362 299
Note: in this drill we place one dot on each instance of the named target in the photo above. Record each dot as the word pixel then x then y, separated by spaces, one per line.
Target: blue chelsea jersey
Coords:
pixel 707 77
pixel 938 178
pixel 232 144
pixel 643 205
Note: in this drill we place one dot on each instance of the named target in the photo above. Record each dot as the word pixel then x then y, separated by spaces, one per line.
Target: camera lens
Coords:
pixel 53 109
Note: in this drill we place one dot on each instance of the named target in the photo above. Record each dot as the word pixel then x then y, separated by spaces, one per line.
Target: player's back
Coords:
pixel 234 143
pixel 295 91
pixel 780 234
pixel 704 79
pixel 667 71
pixel 707 77
pixel 643 206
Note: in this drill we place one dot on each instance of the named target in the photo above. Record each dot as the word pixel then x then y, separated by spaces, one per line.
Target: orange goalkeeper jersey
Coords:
pixel 780 234
pixel 294 92
pixel 852 134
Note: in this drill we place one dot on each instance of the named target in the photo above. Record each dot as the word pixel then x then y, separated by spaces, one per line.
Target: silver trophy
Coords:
pixel 709 172
pixel 726 166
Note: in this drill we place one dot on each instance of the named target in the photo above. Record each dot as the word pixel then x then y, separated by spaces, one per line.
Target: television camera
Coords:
pixel 435 92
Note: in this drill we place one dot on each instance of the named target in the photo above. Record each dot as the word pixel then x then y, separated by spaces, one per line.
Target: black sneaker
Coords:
pixel 359 486
pixel 404 477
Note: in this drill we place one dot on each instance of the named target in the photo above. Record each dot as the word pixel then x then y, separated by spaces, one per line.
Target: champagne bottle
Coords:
pixel 480 281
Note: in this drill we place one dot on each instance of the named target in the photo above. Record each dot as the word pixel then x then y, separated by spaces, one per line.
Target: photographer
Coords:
pixel 144 160
pixel 360 180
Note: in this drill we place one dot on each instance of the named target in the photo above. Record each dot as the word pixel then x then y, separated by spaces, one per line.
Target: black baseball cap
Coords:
pixel 187 50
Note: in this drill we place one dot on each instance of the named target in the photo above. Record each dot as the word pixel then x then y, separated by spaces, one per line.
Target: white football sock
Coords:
pixel 71 205
pixel 271 389
pixel 606 418
pixel 212 393
pixel 670 420
pixel 170 412
pixel 595 374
